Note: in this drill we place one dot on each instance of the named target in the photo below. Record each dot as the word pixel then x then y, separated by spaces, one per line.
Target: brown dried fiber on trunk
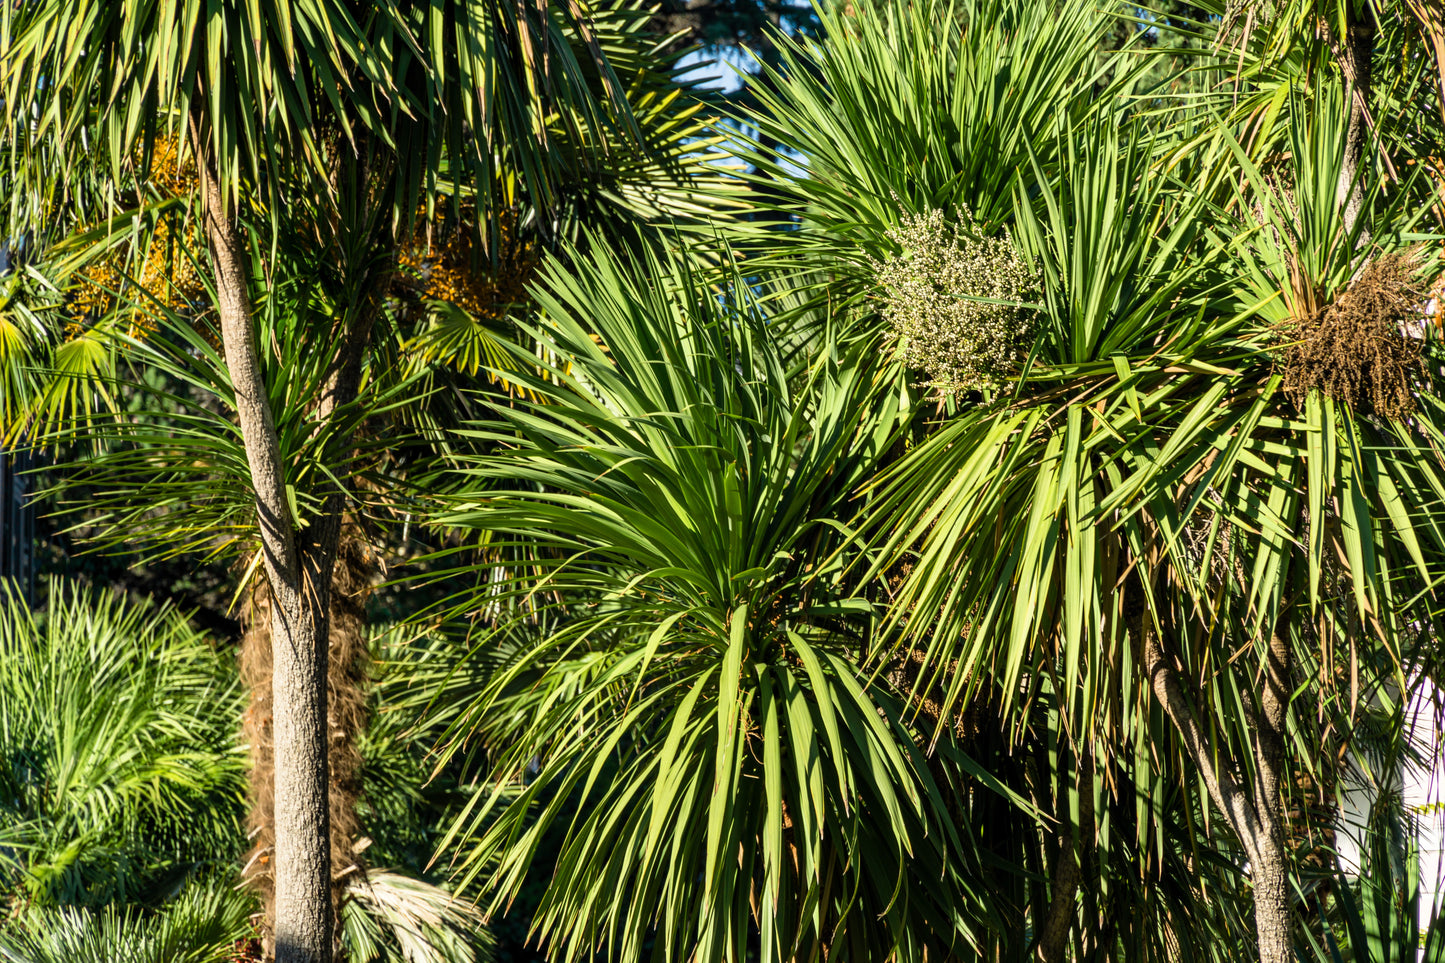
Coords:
pixel 346 699
pixel 255 665
pixel 969 720
pixel 346 717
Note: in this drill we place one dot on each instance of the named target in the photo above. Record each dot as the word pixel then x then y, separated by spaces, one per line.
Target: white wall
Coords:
pixel 1424 796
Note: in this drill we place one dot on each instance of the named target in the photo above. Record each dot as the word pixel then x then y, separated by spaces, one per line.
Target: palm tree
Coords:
pixel 121 777
pixel 1174 485
pixel 329 125
pixel 666 511
pixel 203 925
pixel 1164 480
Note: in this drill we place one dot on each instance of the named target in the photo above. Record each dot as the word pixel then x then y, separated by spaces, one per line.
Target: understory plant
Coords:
pixel 121 776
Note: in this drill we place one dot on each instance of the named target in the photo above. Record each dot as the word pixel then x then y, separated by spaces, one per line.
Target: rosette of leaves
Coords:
pixel 673 498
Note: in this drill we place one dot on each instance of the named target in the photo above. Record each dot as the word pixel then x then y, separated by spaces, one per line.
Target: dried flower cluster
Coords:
pixel 932 291
pixel 1358 349
pixel 450 270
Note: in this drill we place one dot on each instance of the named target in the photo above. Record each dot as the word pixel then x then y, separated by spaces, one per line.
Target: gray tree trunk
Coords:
pixel 303 927
pixel 303 930
pixel 1258 821
pixel 1058 920
pixel 1273 914
pixel 299 562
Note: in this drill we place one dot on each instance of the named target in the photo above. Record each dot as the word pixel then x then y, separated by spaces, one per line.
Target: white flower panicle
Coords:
pixel 952 302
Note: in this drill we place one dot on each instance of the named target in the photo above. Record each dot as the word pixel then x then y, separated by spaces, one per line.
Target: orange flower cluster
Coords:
pixel 168 174
pixel 455 270
pixel 164 273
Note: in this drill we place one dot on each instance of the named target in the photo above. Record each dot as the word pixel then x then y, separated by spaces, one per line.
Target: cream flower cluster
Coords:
pixel 952 300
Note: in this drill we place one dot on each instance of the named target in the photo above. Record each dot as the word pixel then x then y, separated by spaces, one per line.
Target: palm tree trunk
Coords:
pixel 1058 920
pixel 304 924
pixel 1256 822
pixel 299 565
pixel 346 718
pixel 1273 915
pixel 300 584
pixel 1059 917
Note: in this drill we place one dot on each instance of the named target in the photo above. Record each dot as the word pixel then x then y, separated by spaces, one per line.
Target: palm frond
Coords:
pixel 393 918
pixel 120 765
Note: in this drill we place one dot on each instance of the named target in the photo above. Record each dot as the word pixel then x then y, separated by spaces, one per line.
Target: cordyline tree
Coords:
pixel 1187 495
pixel 701 677
pixel 330 122
pixel 1214 485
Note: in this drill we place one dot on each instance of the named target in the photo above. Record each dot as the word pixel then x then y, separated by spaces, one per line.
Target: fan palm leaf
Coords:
pixel 203 925
pixel 120 766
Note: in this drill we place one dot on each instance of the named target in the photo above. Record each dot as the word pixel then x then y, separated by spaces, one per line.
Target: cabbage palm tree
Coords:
pixel 331 120
pixel 1175 507
pixel 1137 534
pixel 672 503
pixel 1202 485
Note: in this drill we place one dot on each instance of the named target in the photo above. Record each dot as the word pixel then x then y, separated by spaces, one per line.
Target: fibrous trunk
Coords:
pixel 345 719
pixel 346 702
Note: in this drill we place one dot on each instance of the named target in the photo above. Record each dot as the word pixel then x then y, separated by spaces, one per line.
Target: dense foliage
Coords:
pixel 992 508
